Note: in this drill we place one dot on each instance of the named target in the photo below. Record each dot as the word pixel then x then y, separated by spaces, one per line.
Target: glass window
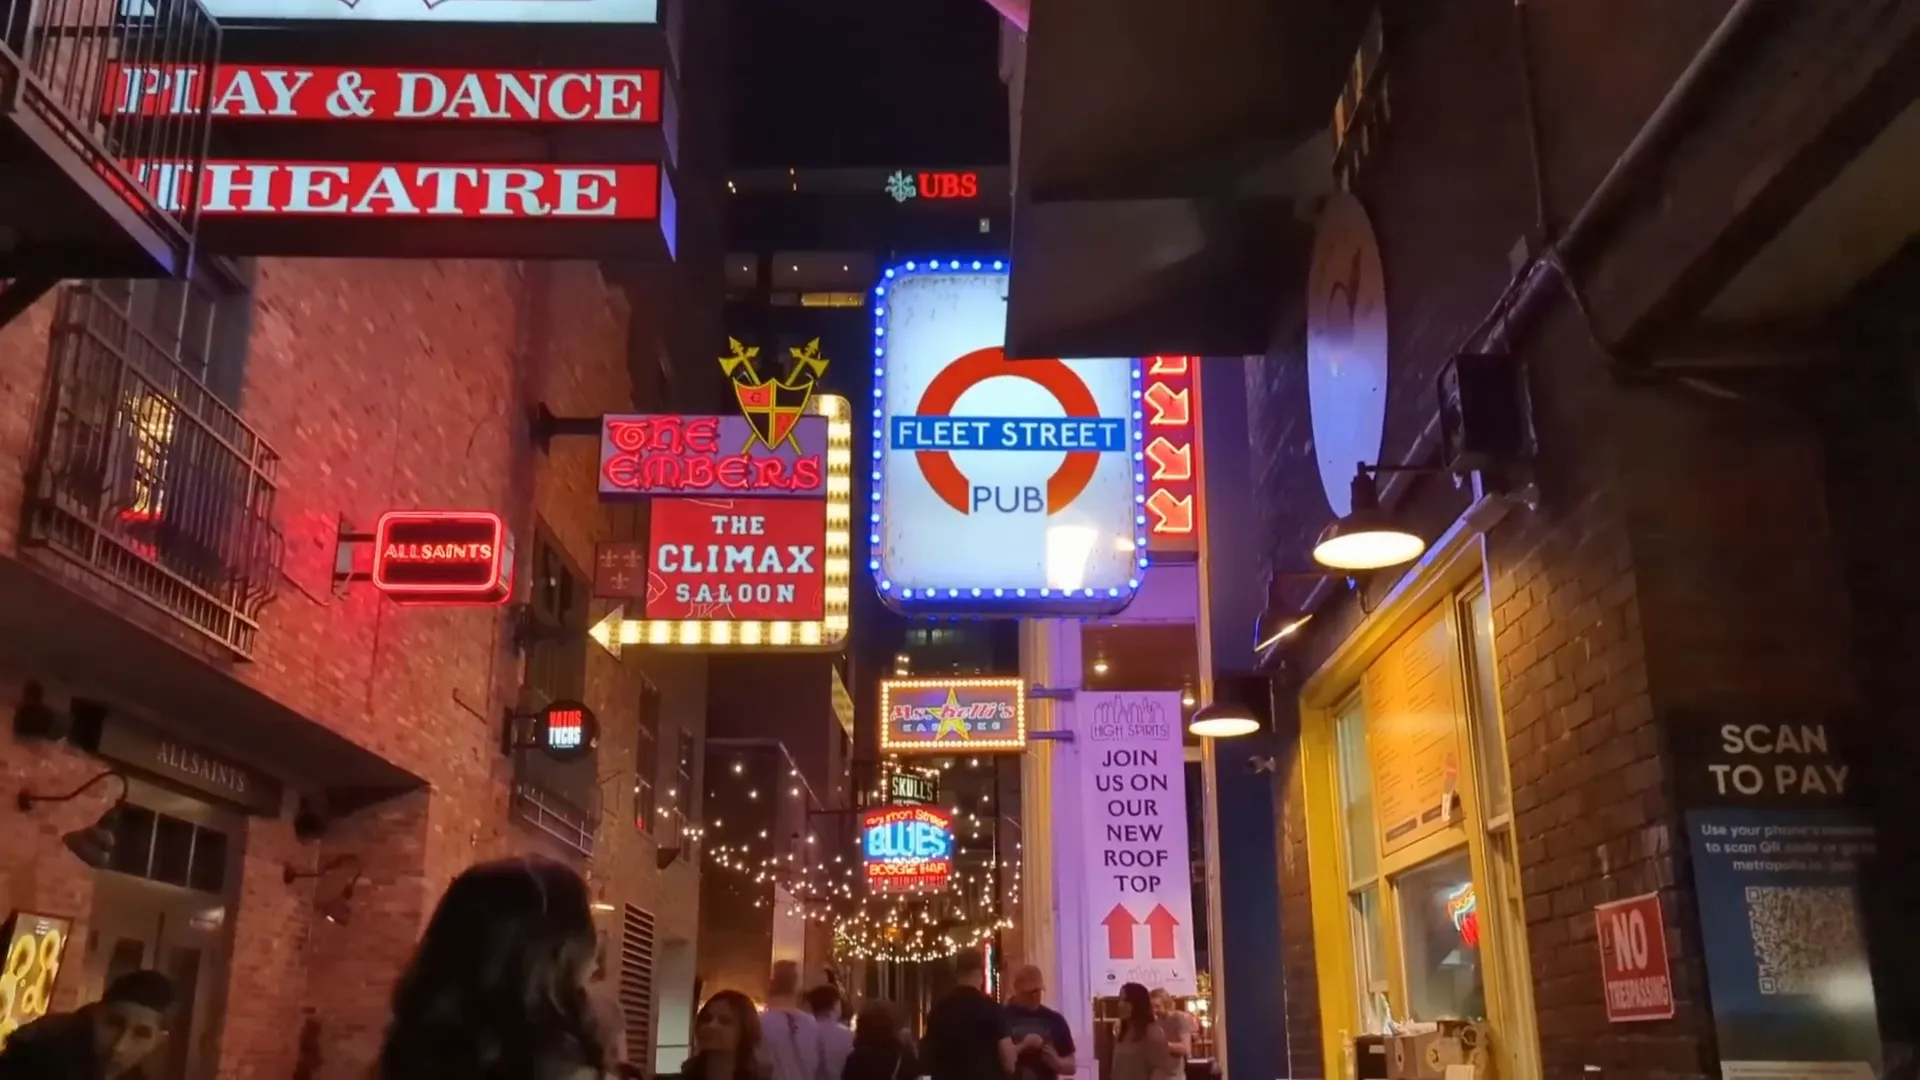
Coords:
pixel 1369 952
pixel 1356 792
pixel 1489 744
pixel 1440 939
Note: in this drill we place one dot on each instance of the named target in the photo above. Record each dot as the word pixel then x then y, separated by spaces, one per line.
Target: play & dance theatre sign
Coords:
pixel 293 92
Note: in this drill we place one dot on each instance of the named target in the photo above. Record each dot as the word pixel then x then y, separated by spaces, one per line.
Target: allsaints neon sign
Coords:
pixel 252 92
pixel 907 848
pixel 442 557
pixel 371 189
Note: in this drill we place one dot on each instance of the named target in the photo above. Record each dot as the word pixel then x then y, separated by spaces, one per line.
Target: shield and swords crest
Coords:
pixel 773 405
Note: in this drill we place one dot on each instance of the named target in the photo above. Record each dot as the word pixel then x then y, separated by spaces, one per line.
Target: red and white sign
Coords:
pixel 1634 970
pixel 282 92
pixel 442 557
pixel 1170 384
pixel 758 559
pixel 412 190
pixel 495 12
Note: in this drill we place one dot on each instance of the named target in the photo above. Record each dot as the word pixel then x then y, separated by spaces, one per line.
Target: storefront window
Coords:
pixel 1440 939
pixel 1368 952
pixel 1496 790
pixel 1356 793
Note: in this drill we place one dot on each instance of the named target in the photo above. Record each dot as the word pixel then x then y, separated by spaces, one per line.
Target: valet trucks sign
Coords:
pixel 748 535
pixel 1015 486
pixel 1139 878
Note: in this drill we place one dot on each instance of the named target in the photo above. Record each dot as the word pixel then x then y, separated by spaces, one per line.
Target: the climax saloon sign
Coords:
pixel 749 516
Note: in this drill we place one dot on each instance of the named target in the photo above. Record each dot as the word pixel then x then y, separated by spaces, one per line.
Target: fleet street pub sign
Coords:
pixel 748 516
pixel 446 133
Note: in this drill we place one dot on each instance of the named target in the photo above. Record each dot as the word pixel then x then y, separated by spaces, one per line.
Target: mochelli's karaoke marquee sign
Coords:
pixel 952 716
pixel 999 485
pixel 749 517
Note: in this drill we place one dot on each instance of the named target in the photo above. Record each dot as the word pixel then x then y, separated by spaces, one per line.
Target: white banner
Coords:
pixel 1133 776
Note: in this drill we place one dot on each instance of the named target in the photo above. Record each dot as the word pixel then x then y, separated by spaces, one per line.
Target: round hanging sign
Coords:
pixel 1346 346
pixel 566 731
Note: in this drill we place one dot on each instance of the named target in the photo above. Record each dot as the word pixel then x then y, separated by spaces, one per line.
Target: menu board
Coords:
pixel 1413 733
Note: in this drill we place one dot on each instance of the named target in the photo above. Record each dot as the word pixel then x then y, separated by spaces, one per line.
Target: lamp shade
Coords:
pixel 1367 538
pixel 1223 720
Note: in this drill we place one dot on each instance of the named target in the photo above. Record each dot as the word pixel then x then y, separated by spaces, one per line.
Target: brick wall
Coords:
pixel 388 385
pixel 1682 557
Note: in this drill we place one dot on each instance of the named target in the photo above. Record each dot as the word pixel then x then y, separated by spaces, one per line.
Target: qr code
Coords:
pixel 1801 936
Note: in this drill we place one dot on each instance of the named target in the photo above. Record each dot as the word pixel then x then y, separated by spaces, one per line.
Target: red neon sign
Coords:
pixel 762 559
pixel 442 557
pixel 411 190
pixel 709 455
pixel 948 185
pixel 258 92
pixel 1173 489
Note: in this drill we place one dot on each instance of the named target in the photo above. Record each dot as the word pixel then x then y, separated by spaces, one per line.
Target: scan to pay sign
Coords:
pixel 1133 776
pixel 1005 484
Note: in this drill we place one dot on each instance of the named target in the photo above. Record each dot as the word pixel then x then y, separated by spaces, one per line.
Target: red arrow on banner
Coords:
pixel 1170 462
pixel 1170 406
pixel 1175 515
pixel 1160 924
pixel 1119 923
pixel 1169 365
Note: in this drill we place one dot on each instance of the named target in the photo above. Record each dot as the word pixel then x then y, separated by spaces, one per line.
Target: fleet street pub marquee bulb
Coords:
pixel 967 598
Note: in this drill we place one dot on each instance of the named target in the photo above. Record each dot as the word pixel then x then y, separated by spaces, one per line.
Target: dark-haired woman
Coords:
pixel 880 1048
pixel 1140 1049
pixel 496 989
pixel 726 1035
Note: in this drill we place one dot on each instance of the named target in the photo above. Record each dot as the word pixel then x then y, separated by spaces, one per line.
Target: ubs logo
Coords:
pixel 934 432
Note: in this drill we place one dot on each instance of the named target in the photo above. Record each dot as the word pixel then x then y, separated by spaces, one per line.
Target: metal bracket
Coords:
pixel 1052 693
pixel 543 427
pixel 1050 736
pixel 347 542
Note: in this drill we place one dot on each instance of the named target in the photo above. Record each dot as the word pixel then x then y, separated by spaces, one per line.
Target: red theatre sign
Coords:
pixel 414 190
pixel 737 559
pixel 262 92
pixel 442 557
pixel 1173 487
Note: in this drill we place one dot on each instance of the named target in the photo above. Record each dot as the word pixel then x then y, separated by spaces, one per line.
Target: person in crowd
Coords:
pixel 1140 1045
pixel 880 1050
pixel 1178 1025
pixel 967 1036
pixel 836 1040
pixel 1041 1036
pixel 497 987
pixel 726 1038
pixel 108 1040
pixel 791 1034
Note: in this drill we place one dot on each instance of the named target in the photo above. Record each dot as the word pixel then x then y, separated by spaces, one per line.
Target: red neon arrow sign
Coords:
pixel 1174 514
pixel 1119 923
pixel 1169 365
pixel 1160 924
pixel 1170 462
pixel 1171 408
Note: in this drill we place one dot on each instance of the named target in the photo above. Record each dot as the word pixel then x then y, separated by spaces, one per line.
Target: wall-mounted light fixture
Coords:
pixel 1223 720
pixel 340 907
pixel 92 845
pixel 1367 537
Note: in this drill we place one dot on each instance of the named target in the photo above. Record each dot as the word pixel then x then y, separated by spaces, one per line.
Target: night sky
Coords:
pixel 822 83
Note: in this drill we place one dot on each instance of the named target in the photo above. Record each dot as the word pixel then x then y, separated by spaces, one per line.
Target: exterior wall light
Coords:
pixel 1223 720
pixel 1367 537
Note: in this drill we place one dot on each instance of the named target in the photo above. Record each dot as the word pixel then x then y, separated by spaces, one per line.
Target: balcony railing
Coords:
pixel 145 478
pixel 124 83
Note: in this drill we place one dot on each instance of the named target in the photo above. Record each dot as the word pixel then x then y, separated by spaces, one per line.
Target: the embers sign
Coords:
pixel 709 455
pixel 442 557
pixel 292 92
